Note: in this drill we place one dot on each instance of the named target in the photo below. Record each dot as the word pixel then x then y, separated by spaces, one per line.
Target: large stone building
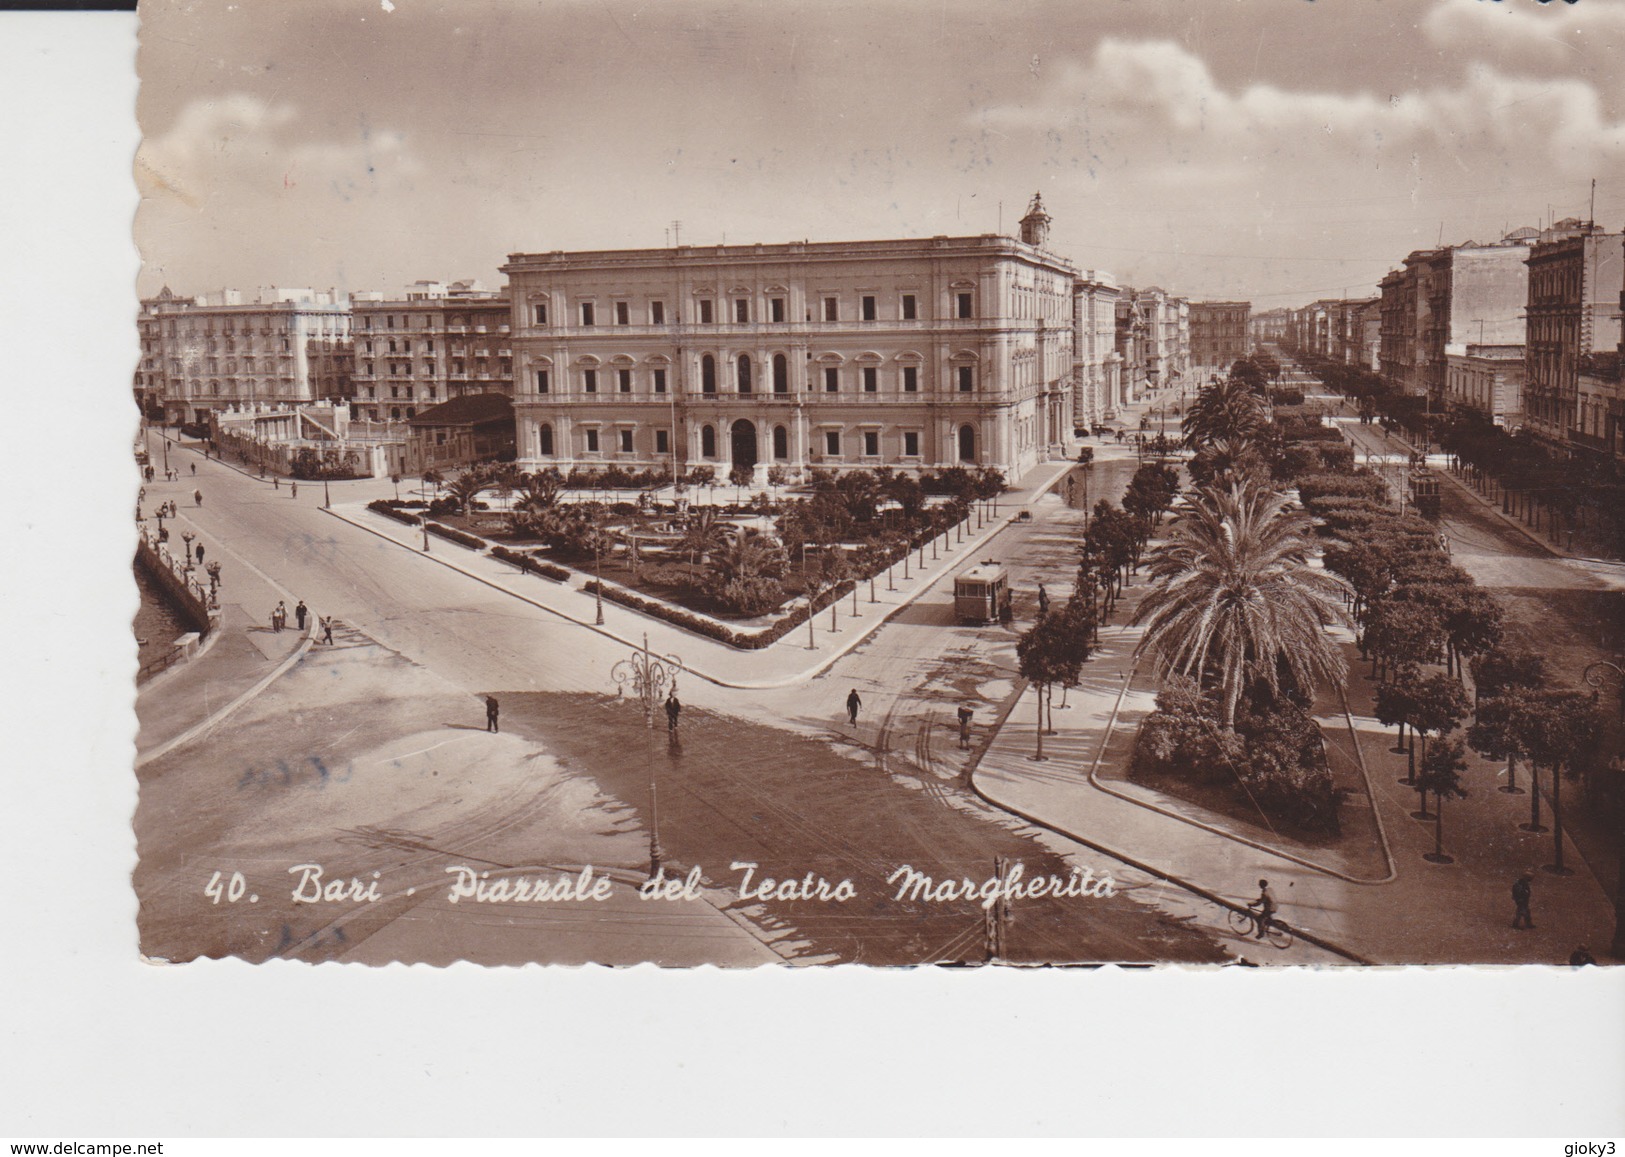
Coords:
pixel 1575 271
pixel 1097 380
pixel 1220 335
pixel 430 345
pixel 1271 327
pixel 220 351
pixel 909 353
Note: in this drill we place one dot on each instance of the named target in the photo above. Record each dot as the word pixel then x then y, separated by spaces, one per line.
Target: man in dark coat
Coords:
pixel 673 710
pixel 491 713
pixel 1520 897
pixel 299 613
pixel 852 705
pixel 964 726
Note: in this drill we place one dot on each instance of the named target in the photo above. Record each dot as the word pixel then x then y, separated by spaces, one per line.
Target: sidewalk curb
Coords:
pixel 207 725
pixel 758 685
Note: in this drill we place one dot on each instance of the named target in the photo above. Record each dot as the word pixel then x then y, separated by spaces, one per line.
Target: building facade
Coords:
pixel 838 355
pixel 1575 271
pixel 428 346
pixel 1486 380
pixel 1097 383
pixel 221 351
pixel 1220 335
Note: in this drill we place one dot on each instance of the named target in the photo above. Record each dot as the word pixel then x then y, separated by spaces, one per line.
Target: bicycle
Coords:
pixel 1244 922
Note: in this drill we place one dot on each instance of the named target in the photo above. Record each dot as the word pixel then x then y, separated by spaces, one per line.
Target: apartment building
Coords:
pixel 1220 335
pixel 427 346
pixel 1575 274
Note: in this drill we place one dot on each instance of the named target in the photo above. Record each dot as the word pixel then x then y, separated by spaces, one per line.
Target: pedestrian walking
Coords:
pixel 197 497
pixel 276 483
pixel 673 710
pixel 1520 897
pixel 327 630
pixel 281 615
pixel 194 470
pixel 1043 600
pixel 964 726
pixel 852 705
pixel 491 711
pixel 293 487
pixel 200 554
pixel 299 612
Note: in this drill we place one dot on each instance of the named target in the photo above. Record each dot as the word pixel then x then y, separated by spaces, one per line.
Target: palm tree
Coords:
pixel 1233 597
pixel 703 534
pixel 1230 410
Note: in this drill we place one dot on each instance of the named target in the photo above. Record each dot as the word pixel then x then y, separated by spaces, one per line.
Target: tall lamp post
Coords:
pixel 649 677
pixel 1600 674
pixel 598 577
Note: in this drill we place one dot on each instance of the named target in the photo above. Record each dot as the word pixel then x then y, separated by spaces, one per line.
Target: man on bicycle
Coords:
pixel 1264 907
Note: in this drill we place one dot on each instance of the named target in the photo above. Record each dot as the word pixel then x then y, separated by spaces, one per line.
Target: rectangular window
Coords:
pixel 832 442
pixel 623 379
pixel 966 381
pixel 832 379
pixel 911 444
pixel 662 442
pixel 590 381
pixel 911 379
pixel 657 313
pixel 871 379
pixel 540 312
pixel 871 443
pixel 705 312
pixel 623 313
pixel 777 306
pixel 626 441
pixel 741 309
pixel 832 309
pixel 910 312
pixel 428 367
pixel 962 305
pixel 868 308
pixel 592 441
pixel 588 314
pixel 660 381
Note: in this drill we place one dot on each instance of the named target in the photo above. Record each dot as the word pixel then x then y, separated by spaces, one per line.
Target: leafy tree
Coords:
pixel 1558 728
pixel 1498 729
pixel 1503 668
pixel 466 486
pixel 1049 653
pixel 1439 705
pixel 703 533
pixel 540 491
pixel 1396 700
pixel 1441 774
pixel 1234 599
pixel 1401 632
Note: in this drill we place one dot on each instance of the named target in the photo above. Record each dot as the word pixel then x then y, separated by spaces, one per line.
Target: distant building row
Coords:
pixel 984 351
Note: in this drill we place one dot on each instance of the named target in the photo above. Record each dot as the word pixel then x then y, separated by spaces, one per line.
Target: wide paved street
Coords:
pixel 762 776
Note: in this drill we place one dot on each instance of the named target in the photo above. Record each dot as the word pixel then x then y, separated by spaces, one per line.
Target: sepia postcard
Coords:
pixel 884 483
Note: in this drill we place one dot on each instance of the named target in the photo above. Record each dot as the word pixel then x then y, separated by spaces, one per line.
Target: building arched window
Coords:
pixel 744 373
pixel 708 374
pixel 781 442
pixel 781 374
pixel 544 439
pixel 708 442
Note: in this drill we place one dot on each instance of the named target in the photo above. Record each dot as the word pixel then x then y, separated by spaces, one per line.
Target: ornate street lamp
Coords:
pixel 649 677
pixel 598 575
pixel 1600 674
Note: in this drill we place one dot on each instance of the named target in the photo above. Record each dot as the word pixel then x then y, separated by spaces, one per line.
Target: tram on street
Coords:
pixel 982 593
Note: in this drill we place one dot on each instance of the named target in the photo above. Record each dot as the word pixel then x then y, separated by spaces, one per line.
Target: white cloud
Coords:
pixel 1165 97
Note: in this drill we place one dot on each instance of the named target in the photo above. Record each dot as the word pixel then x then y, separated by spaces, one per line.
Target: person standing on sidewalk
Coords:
pixel 673 710
pixel 276 483
pixel 852 705
pixel 194 470
pixel 491 711
pixel 1043 600
pixel 293 487
pixel 200 554
pixel 327 630
pixel 964 726
pixel 1520 898
pixel 197 497
pixel 299 613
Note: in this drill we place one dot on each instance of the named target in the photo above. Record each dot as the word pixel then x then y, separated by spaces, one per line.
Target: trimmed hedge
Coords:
pixel 689 621
pixel 380 506
pixel 473 542
pixel 531 565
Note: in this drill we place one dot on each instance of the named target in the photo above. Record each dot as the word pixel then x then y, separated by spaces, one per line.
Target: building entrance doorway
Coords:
pixel 744 444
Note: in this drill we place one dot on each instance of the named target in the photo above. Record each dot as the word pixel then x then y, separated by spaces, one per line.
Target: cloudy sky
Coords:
pixel 1275 150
